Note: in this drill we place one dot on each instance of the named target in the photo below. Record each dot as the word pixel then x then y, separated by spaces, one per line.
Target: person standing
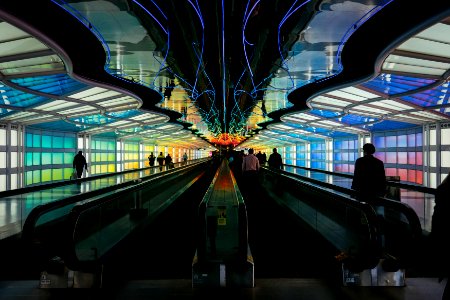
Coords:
pixel 369 177
pixel 250 168
pixel 168 161
pixel 160 160
pixel 185 158
pixel 151 160
pixel 79 163
pixel 275 161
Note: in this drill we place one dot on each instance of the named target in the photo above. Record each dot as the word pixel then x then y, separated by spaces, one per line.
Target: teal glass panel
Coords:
pixel 36 140
pixel 36 176
pixel 58 142
pixel 46 175
pixel 46 158
pixel 111 145
pixel 68 158
pixel 58 158
pixel 29 178
pixel 36 158
pixel 104 145
pixel 28 159
pixel 69 142
pixel 47 141
pixel 93 144
pixel 57 174
pixel 29 140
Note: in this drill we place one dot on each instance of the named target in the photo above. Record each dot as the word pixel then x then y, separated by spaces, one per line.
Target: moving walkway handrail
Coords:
pixel 70 256
pixel 403 185
pixel 401 207
pixel 415 228
pixel 33 217
pixel 242 252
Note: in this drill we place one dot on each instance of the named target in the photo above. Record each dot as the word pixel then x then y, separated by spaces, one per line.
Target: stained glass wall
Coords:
pixel 131 155
pixel 318 155
pixel 103 155
pixel 301 155
pixel 289 155
pixel 345 152
pixel 48 155
pixel 401 152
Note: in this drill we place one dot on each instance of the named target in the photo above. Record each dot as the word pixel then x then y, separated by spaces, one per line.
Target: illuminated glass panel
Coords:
pixel 59 84
pixel 390 84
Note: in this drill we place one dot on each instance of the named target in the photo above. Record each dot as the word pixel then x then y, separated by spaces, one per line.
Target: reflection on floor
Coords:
pixel 273 289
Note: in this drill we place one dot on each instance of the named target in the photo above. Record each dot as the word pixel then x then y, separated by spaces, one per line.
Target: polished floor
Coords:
pixel 270 289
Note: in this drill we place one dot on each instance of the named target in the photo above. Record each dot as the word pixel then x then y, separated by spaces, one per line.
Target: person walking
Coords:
pixel 250 168
pixel 275 161
pixel 369 177
pixel 160 160
pixel 185 158
pixel 79 163
pixel 151 160
pixel 168 161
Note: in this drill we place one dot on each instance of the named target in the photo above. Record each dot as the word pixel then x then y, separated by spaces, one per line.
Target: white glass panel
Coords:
pixel 25 45
pixel 432 158
pixel 445 159
pixel 432 180
pixel 13 181
pixel 413 69
pixel 13 159
pixel 13 137
pixel 2 160
pixel 2 183
pixel 426 46
pixel 2 137
pixel 445 136
pixel 432 137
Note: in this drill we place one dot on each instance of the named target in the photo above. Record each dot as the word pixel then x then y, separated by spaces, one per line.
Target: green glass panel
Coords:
pixel 58 158
pixel 104 156
pixel 103 145
pixel 36 140
pixel 47 141
pixel 98 157
pixel 111 156
pixel 29 178
pixel 29 140
pixel 93 144
pixel 58 142
pixel 36 176
pixel 67 172
pixel 111 145
pixel 57 174
pixel 36 158
pixel 29 159
pixel 46 175
pixel 69 142
pixel 68 158
pixel 46 158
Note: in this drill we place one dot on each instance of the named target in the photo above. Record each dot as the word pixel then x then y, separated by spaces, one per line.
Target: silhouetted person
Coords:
pixel 151 160
pixel 250 168
pixel 369 177
pixel 168 161
pixel 79 162
pixel 275 161
pixel 439 237
pixel 185 158
pixel 160 160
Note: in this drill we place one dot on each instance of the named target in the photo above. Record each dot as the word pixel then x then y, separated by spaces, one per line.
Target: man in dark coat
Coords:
pixel 79 162
pixel 275 161
pixel 369 177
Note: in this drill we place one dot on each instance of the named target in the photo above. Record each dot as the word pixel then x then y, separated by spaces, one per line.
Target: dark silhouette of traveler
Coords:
pixel 151 160
pixel 369 177
pixel 79 163
pixel 168 161
pixel 439 237
pixel 275 161
pixel 250 168
pixel 160 160
pixel 185 158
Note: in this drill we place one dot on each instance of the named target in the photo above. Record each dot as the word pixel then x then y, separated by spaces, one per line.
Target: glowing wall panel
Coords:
pixel 103 155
